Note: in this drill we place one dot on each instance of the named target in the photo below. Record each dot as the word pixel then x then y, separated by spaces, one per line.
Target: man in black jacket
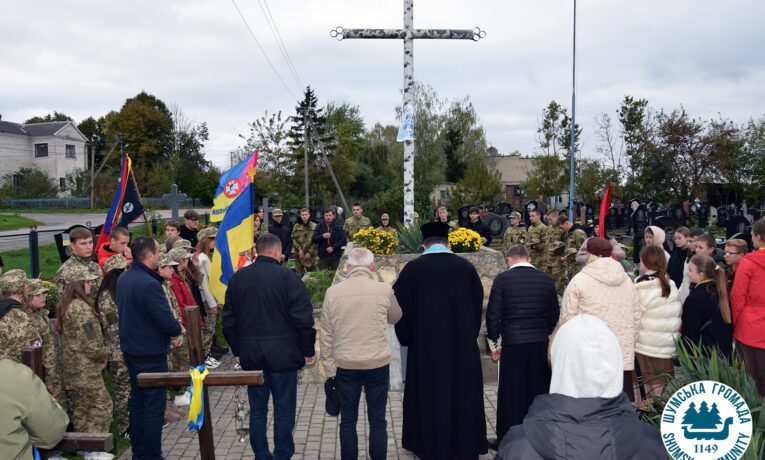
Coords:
pixel 330 238
pixel 268 322
pixel 188 230
pixel 523 309
pixel 146 326
pixel 281 231
pixel 478 226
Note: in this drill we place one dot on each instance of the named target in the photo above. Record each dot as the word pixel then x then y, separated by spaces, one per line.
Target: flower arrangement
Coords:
pixel 464 240
pixel 377 241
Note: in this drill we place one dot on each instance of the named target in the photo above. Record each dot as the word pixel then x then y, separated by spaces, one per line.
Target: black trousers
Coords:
pixel 523 374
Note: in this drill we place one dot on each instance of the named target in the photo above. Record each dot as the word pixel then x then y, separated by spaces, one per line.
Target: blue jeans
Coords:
pixel 283 387
pixel 375 384
pixel 147 411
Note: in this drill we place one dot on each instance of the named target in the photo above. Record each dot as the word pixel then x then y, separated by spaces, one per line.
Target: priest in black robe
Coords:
pixel 441 299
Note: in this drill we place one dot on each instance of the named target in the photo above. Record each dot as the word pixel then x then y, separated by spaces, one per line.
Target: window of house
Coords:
pixel 70 151
pixel 443 194
pixel 62 183
pixel 41 150
pixel 18 181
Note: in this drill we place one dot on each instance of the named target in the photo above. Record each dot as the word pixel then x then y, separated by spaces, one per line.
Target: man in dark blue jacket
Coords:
pixel 523 308
pixel 268 323
pixel 330 238
pixel 282 231
pixel 146 326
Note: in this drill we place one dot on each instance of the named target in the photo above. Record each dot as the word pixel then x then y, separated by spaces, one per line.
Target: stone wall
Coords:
pixel 488 262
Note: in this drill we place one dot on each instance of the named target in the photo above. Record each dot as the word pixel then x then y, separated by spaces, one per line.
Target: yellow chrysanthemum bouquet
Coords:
pixel 464 240
pixel 377 241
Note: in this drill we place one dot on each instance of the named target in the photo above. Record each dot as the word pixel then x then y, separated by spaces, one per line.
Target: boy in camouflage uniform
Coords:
pixel 573 238
pixel 81 247
pixel 385 221
pixel 177 358
pixel 535 241
pixel 84 356
pixel 107 307
pixel 356 222
pixel 38 314
pixel 515 235
pixel 17 330
pixel 305 250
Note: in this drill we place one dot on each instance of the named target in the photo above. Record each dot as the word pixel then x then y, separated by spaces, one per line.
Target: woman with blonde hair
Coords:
pixel 203 253
pixel 706 312
pixel 660 320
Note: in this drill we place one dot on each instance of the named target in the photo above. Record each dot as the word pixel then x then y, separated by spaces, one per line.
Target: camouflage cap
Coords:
pixel 277 212
pixel 515 215
pixel 35 287
pixel 165 260
pixel 207 232
pixel 13 281
pixel 181 243
pixel 385 216
pixel 178 254
pixel 114 262
pixel 78 273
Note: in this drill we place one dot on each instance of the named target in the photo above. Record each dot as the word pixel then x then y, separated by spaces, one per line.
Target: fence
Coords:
pixel 63 203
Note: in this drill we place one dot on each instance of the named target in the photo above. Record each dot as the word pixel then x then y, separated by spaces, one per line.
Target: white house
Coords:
pixel 56 147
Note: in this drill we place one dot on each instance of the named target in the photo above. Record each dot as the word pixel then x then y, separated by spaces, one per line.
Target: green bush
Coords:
pixel 409 239
pixel 317 284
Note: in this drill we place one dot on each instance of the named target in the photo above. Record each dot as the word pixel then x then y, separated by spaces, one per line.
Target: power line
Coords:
pixel 257 42
pixel 278 37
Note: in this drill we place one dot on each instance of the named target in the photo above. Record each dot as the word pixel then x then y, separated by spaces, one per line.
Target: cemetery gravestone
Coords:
pixel 174 199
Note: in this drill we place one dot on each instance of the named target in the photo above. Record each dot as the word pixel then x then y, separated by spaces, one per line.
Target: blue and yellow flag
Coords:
pixel 234 201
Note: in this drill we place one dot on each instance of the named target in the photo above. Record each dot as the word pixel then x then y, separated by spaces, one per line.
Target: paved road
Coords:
pixel 18 239
pixel 316 433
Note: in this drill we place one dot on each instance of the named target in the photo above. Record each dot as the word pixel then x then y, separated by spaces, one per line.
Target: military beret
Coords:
pixel 515 215
pixel 78 273
pixel 165 260
pixel 35 287
pixel 207 232
pixel 13 281
pixel 178 254
pixel 181 243
pixel 114 262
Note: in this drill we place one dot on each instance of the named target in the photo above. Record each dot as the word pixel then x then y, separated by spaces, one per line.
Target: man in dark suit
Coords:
pixel 268 322
pixel 523 309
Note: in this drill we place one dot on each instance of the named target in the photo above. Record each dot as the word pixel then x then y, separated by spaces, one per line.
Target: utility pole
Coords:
pixel 573 131
pixel 331 171
pixel 408 34
pixel 92 175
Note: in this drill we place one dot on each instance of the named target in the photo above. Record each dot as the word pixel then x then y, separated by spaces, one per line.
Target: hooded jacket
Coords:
pixel 604 290
pixel 660 319
pixel 586 415
pixel 659 237
pixel 748 300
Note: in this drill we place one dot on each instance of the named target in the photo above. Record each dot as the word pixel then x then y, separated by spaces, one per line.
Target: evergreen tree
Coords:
pixel 455 166
pixel 691 416
pixel 703 420
pixel 308 109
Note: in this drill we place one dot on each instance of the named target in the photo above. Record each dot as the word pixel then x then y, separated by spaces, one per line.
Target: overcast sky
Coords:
pixel 85 58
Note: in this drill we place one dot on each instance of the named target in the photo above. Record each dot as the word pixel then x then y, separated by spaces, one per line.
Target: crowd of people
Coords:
pixel 564 312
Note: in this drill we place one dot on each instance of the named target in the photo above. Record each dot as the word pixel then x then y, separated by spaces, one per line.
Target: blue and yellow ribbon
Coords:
pixel 196 409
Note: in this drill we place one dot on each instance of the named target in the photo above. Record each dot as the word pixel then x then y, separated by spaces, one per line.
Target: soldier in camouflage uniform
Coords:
pixel 573 238
pixel 35 308
pixel 385 221
pixel 535 240
pixel 516 234
pixel 84 354
pixel 305 250
pixel 17 330
pixel 81 246
pixel 356 222
pixel 114 266
pixel 178 357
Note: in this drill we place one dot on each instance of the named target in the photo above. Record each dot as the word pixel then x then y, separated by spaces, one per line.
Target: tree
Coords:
pixel 187 157
pixel 93 130
pixel 691 416
pixel 56 116
pixel 29 183
pixel 547 177
pixel 610 147
pixel 455 166
pixel 78 182
pixel 481 184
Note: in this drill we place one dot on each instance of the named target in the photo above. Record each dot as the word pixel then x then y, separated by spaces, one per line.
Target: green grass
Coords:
pixel 317 285
pixel 19 258
pixel 56 210
pixel 13 222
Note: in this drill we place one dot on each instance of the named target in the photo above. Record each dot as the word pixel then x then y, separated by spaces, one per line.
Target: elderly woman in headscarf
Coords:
pixel 586 414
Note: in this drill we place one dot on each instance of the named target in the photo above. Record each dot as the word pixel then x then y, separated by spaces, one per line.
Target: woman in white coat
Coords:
pixel 659 322
pixel 203 252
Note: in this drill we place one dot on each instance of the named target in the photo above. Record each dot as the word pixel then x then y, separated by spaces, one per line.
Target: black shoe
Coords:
pixel 215 355
pixel 493 443
pixel 217 349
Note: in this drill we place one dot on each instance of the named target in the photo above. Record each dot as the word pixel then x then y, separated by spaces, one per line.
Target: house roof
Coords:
pixel 514 168
pixel 11 128
pixel 49 128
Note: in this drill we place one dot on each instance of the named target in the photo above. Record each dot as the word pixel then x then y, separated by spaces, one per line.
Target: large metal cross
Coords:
pixel 408 34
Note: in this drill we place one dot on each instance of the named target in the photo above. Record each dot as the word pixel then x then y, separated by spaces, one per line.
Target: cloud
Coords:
pixel 85 58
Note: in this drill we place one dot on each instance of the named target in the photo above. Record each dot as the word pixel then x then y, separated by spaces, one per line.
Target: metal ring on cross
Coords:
pixel 337 33
pixel 478 34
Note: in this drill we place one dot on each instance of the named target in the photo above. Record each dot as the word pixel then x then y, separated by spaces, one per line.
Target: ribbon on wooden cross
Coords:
pixel 196 409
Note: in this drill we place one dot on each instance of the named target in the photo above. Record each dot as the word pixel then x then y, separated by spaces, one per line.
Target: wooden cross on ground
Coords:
pixel 71 442
pixel 409 34
pixel 214 378
pixel 174 199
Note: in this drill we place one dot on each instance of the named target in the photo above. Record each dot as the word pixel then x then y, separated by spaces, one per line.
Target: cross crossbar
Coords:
pixel 213 379
pixel 454 34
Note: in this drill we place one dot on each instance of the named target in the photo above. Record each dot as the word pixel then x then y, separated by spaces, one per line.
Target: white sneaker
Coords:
pixel 237 367
pixel 212 363
pixel 182 400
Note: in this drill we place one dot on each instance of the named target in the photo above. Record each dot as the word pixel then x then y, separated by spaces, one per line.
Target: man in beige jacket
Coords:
pixel 355 350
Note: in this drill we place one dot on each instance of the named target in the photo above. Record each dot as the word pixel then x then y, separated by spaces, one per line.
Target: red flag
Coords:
pixel 116 209
pixel 604 206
